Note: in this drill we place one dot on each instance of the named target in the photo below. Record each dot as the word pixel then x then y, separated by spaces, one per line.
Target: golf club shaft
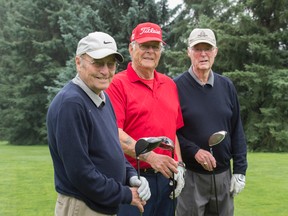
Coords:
pixel 138 169
pixel 173 176
pixel 215 191
pixel 215 188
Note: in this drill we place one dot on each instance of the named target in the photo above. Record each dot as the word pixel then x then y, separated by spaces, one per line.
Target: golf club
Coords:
pixel 143 146
pixel 168 144
pixel 215 139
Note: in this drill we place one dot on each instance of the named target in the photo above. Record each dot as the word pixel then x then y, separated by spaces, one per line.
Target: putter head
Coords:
pixel 146 144
pixel 216 138
pixel 166 143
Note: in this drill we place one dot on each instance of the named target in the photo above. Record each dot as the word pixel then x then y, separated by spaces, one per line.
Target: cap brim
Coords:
pixel 102 53
pixel 147 39
pixel 202 41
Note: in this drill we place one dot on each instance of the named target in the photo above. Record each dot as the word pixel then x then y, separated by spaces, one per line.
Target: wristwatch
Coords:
pixel 182 164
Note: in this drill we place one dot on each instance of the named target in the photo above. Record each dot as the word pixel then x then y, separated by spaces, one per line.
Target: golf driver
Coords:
pixel 143 146
pixel 168 144
pixel 215 139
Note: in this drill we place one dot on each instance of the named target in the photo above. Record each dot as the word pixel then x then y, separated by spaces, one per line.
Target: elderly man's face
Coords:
pixel 145 56
pixel 202 56
pixel 97 74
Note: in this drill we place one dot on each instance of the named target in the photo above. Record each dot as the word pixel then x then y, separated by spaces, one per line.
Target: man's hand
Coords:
pixel 136 201
pixel 237 184
pixel 206 159
pixel 162 163
pixel 179 178
pixel 143 187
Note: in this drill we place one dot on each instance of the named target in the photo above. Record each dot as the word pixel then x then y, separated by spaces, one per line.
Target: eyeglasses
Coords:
pixel 146 47
pixel 206 50
pixel 101 64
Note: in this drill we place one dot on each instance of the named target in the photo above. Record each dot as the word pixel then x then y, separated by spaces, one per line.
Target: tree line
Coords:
pixel 38 40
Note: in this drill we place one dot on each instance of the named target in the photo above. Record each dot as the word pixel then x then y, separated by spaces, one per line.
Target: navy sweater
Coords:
pixel 206 110
pixel 89 163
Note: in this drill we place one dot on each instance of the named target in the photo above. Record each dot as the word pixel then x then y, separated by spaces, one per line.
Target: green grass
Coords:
pixel 266 186
pixel 27 187
pixel 26 181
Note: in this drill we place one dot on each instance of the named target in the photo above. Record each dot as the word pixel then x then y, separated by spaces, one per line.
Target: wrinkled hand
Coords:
pixel 162 163
pixel 206 159
pixel 143 187
pixel 237 184
pixel 179 180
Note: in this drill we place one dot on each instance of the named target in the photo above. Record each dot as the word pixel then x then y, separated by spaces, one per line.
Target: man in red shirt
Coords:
pixel 147 105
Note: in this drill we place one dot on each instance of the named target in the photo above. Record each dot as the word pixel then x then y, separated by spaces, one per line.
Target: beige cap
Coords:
pixel 98 45
pixel 201 35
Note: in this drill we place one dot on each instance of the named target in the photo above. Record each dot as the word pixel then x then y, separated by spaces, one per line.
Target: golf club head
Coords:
pixel 146 144
pixel 216 138
pixel 166 143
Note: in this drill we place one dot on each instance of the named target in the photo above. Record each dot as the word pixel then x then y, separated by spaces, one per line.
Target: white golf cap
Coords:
pixel 201 35
pixel 98 45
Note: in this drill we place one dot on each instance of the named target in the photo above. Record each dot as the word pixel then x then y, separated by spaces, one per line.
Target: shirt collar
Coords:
pixel 98 100
pixel 132 75
pixel 210 79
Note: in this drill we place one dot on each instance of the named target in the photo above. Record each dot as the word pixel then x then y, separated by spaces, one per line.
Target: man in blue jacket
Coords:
pixel 92 176
pixel 209 104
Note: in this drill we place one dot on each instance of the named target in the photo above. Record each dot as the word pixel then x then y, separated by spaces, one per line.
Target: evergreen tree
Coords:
pixel 252 40
pixel 117 18
pixel 38 40
pixel 33 51
pixel 263 81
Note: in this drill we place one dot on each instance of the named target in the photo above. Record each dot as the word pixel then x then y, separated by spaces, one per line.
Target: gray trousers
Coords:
pixel 70 206
pixel 198 197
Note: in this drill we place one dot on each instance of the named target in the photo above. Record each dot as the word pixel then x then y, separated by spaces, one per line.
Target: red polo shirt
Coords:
pixel 142 111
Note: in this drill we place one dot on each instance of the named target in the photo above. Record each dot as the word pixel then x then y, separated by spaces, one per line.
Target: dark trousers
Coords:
pixel 158 204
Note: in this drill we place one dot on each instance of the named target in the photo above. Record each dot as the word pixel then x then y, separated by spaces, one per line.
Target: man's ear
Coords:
pixel 130 48
pixel 216 51
pixel 188 51
pixel 78 62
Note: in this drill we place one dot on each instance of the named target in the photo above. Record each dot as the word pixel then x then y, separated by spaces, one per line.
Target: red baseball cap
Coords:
pixel 145 32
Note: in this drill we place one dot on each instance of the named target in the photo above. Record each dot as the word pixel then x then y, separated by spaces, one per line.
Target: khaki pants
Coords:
pixel 70 206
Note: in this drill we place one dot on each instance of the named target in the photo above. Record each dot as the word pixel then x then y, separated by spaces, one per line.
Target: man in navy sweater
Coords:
pixel 209 104
pixel 92 176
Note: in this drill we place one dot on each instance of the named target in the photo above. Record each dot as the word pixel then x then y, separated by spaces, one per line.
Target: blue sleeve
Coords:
pixel 238 140
pixel 130 170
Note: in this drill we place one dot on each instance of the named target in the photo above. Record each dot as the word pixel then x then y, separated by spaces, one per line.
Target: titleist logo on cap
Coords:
pixel 147 30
